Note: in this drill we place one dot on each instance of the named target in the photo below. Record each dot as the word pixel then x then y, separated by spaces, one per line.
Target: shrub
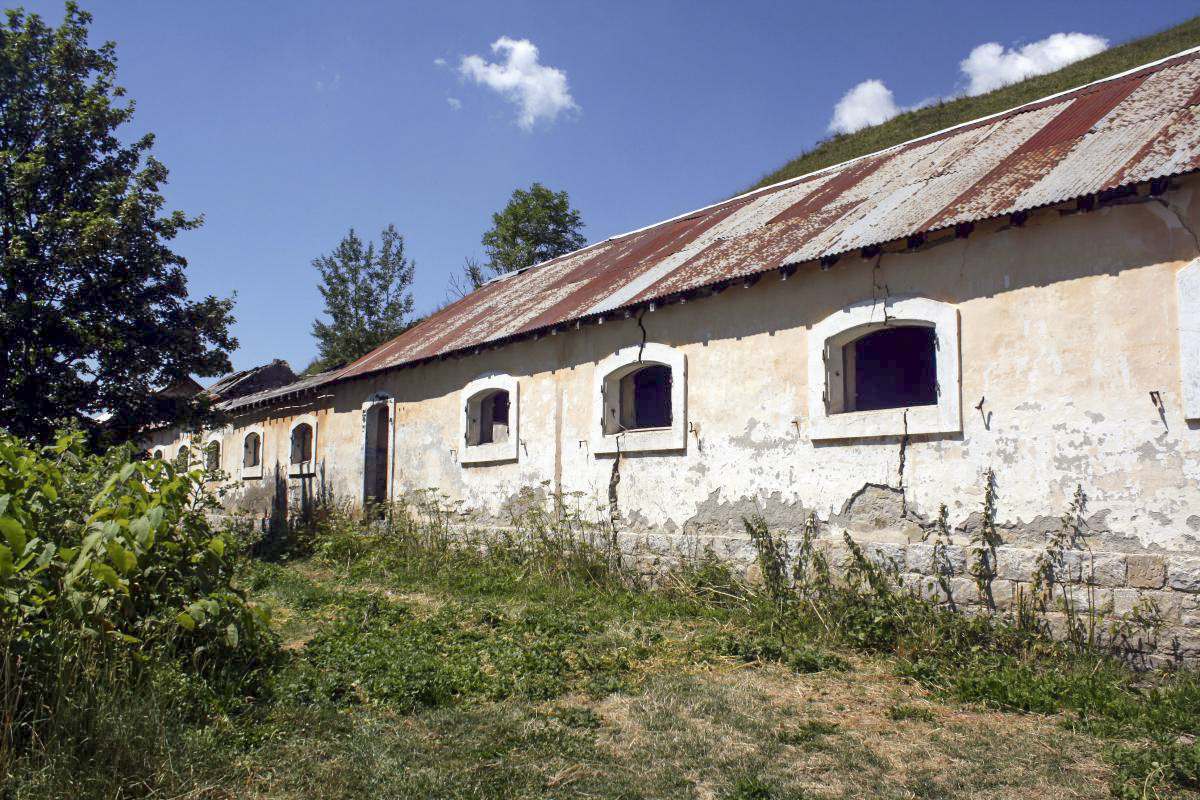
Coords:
pixel 108 569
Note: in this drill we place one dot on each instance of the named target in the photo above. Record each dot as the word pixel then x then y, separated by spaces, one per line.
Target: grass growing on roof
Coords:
pixel 929 119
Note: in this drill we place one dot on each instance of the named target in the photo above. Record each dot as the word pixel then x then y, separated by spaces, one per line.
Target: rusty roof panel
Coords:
pixel 1130 128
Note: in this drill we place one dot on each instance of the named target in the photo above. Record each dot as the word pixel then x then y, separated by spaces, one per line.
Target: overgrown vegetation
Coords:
pixel 419 661
pixel 118 620
pixel 928 119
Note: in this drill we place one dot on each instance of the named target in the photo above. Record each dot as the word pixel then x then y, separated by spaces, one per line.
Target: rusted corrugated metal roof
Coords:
pixel 275 394
pixel 1130 128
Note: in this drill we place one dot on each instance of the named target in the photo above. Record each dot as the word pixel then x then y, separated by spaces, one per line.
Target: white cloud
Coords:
pixel 990 66
pixel 454 103
pixel 539 92
pixel 439 62
pixel 868 103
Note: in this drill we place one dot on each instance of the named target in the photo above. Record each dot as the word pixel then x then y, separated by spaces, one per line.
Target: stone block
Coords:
pixel 964 591
pixel 916 584
pixel 1125 600
pixel 1183 573
pixel 1015 563
pixel 1093 598
pixel 1070 567
pixel 838 556
pixel 885 554
pixel 1003 594
pixel 919 558
pixel 1168 604
pixel 1057 623
pixel 1105 569
pixel 1146 571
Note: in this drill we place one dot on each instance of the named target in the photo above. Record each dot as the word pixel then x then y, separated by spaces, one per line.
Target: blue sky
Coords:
pixel 285 124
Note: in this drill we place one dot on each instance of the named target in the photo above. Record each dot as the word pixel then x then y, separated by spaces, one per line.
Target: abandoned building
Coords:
pixel 1019 294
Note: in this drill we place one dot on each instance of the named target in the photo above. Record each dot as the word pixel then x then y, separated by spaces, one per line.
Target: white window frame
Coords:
pixel 219 439
pixel 256 471
pixel 491 452
pixel 1187 285
pixel 825 371
pixel 308 468
pixel 606 386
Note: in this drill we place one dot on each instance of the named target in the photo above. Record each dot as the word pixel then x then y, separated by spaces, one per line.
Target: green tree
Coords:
pixel 94 311
pixel 535 226
pixel 366 296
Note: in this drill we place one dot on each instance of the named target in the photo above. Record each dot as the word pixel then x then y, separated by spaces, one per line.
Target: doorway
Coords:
pixel 375 472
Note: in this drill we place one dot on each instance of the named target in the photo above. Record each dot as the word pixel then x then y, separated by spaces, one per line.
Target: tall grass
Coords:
pixel 800 610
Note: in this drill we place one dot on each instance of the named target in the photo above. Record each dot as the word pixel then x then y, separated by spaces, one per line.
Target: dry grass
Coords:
pixel 706 726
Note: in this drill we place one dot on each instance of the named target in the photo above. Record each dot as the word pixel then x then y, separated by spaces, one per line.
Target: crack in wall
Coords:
pixel 613 481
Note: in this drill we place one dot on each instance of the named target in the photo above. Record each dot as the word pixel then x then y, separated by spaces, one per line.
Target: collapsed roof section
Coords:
pixel 256 379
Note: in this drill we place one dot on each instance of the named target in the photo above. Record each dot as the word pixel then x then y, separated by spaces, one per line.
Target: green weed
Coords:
pixel 903 712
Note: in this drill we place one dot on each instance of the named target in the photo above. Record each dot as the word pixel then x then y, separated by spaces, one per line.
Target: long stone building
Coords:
pixel 1019 294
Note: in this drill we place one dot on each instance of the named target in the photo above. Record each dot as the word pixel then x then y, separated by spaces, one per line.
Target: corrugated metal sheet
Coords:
pixel 278 393
pixel 1131 128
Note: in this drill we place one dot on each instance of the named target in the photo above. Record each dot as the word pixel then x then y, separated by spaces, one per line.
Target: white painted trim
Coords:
pixel 610 371
pixel 1187 284
pixel 303 468
pixel 377 399
pixel 257 471
pixel 853 321
pixel 492 452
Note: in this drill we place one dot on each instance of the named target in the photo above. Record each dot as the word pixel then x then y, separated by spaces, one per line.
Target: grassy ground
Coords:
pixel 912 124
pixel 491 711
pixel 410 667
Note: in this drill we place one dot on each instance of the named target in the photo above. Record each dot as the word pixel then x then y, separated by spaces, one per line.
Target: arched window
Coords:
pixel 303 446
pixel 158 454
pixel 212 456
pixel 641 393
pixel 884 367
pixel 302 443
pixel 252 450
pixel 489 420
pixel 184 456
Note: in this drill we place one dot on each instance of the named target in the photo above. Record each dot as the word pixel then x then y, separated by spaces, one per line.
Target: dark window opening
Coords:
pixel 158 454
pixel 891 368
pixel 375 458
pixel 184 457
pixel 487 418
pixel 251 450
pixel 212 457
pixel 646 398
pixel 302 443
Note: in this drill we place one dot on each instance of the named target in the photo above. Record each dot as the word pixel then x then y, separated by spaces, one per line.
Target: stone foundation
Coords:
pixel 1145 603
